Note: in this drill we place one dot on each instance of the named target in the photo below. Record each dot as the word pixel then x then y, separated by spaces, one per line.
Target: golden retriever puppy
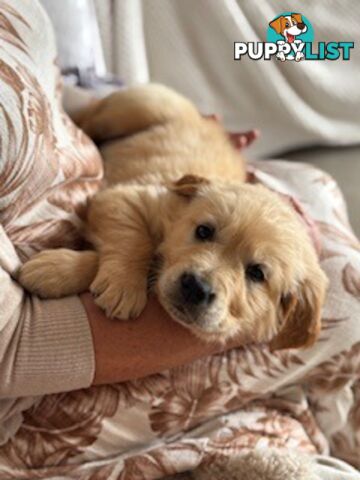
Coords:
pixel 224 257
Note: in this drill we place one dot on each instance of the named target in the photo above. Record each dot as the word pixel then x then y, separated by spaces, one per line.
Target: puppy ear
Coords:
pixel 301 314
pixel 276 24
pixel 297 17
pixel 188 185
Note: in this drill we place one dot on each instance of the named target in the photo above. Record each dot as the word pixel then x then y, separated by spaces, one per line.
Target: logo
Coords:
pixel 290 36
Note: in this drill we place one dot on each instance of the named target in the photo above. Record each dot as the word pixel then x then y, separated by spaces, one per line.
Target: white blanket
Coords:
pixel 188 45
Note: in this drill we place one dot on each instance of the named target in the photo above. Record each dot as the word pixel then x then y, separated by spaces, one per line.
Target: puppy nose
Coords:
pixel 195 291
pixel 301 26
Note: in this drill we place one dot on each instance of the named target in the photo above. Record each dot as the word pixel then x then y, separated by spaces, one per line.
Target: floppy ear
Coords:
pixel 297 17
pixel 188 185
pixel 276 24
pixel 301 314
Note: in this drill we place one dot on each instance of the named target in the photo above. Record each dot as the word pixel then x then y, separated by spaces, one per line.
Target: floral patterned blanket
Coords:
pixel 216 407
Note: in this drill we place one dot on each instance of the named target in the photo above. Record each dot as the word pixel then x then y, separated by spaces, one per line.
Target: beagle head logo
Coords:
pixel 290 31
pixel 289 26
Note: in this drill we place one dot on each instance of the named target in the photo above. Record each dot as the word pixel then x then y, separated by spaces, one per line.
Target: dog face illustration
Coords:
pixel 289 26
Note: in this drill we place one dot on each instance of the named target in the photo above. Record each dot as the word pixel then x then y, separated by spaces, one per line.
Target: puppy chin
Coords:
pixel 207 325
pixel 204 327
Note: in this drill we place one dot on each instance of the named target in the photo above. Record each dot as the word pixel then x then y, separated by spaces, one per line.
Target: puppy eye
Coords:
pixel 287 24
pixel 204 232
pixel 255 272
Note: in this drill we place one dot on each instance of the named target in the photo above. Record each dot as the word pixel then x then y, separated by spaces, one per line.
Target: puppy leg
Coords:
pixel 129 111
pixel 122 224
pixel 57 273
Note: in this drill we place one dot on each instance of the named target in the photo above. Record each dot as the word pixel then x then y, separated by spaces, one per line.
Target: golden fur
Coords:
pixel 169 170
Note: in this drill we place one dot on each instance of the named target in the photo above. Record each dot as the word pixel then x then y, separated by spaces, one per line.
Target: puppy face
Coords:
pixel 289 26
pixel 237 261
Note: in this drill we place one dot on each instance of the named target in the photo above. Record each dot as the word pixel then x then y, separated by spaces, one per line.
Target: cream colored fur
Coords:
pixel 168 170
pixel 260 465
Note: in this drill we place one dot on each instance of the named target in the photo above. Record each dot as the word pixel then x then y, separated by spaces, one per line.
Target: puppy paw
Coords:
pixel 119 297
pixel 38 276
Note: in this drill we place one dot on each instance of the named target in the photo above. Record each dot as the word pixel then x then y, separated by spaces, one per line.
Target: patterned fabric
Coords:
pixel 47 169
pixel 47 166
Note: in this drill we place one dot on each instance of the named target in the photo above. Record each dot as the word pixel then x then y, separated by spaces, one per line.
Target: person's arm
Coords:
pixel 45 345
pixel 50 346
pixel 126 350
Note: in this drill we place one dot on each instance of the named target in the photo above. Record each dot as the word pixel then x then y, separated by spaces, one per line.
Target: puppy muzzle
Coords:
pixel 194 291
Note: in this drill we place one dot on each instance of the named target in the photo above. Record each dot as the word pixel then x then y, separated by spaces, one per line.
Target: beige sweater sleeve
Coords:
pixel 45 345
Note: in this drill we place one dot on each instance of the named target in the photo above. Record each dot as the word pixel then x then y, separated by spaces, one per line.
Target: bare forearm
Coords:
pixel 126 350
